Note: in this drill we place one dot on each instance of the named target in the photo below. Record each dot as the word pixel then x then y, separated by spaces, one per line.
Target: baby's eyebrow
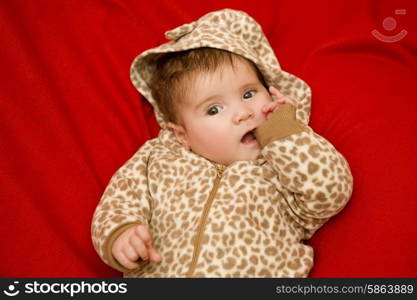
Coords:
pixel 206 100
pixel 250 84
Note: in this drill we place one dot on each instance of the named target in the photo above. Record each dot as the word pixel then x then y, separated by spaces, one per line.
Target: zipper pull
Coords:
pixel 219 170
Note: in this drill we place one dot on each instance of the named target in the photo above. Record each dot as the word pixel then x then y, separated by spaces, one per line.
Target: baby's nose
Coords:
pixel 242 115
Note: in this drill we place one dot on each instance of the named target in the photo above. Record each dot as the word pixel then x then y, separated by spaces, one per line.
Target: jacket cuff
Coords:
pixel 281 124
pixel 108 256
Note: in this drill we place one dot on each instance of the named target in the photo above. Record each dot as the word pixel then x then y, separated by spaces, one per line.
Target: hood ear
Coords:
pixel 180 133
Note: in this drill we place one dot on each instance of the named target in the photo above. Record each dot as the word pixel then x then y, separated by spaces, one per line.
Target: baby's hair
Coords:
pixel 173 70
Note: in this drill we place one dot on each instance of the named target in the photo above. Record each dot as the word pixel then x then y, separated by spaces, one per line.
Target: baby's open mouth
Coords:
pixel 249 137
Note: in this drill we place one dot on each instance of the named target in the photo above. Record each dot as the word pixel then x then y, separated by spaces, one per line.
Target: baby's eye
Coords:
pixel 249 94
pixel 214 110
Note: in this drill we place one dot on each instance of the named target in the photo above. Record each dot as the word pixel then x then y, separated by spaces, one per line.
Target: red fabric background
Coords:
pixel 70 117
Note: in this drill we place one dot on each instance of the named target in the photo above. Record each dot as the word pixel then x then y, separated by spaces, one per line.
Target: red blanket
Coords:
pixel 70 117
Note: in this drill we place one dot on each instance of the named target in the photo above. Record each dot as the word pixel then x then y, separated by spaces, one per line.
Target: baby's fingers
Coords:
pixel 276 93
pixel 154 255
pixel 279 97
pixel 143 233
pixel 137 249
pixel 270 107
pixel 125 262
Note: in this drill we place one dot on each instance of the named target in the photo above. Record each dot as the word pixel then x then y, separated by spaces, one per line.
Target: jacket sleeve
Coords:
pixel 125 203
pixel 316 177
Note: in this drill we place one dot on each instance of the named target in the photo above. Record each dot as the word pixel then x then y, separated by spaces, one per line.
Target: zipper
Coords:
pixel 203 222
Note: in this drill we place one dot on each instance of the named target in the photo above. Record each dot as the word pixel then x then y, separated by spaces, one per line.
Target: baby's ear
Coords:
pixel 180 134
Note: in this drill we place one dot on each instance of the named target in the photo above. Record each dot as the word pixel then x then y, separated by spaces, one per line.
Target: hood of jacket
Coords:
pixel 230 30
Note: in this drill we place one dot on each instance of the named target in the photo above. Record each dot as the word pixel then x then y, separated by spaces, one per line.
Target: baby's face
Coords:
pixel 220 113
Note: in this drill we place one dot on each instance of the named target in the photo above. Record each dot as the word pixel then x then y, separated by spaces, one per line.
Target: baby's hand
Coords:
pixel 134 243
pixel 280 99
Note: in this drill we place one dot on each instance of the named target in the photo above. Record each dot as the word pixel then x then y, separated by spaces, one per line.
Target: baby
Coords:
pixel 236 181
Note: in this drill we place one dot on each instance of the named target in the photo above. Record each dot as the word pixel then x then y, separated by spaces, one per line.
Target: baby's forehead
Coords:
pixel 227 76
pixel 237 67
